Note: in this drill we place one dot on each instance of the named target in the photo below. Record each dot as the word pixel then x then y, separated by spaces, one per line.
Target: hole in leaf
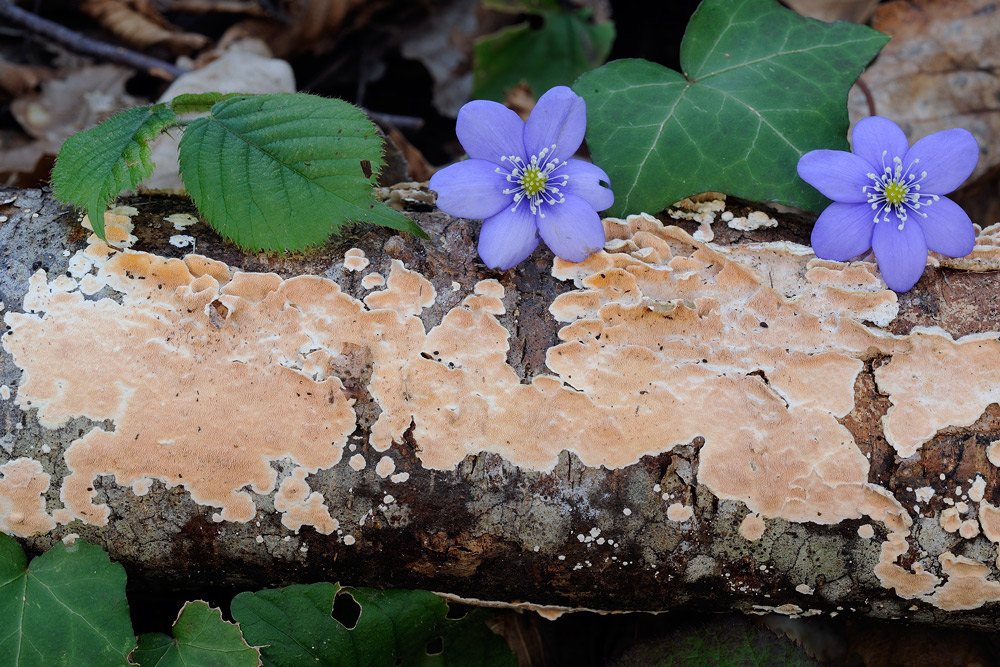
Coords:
pixel 435 646
pixel 456 610
pixel 346 610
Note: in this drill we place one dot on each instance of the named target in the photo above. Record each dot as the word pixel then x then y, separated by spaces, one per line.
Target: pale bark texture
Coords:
pixel 661 532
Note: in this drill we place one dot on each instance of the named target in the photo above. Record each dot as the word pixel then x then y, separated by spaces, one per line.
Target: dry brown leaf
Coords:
pixel 79 99
pixel 18 79
pixel 139 24
pixel 521 100
pixel 417 166
pixel 856 11
pixel 309 25
pixel 941 69
pixel 248 7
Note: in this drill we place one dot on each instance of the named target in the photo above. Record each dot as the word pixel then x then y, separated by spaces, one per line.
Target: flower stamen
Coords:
pixel 533 180
pixel 897 190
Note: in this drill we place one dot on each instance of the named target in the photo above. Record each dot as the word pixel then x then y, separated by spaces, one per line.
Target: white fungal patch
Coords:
pixel 753 220
pixel 181 221
pixel 4 392
pixel 924 493
pixel 181 241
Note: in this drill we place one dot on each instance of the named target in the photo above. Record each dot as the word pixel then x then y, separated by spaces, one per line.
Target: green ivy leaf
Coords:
pixel 198 102
pixel 95 165
pixel 565 47
pixel 67 607
pixel 281 172
pixel 294 626
pixel 200 638
pixel 762 85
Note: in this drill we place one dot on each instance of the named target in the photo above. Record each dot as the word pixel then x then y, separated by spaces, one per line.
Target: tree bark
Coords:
pixel 620 525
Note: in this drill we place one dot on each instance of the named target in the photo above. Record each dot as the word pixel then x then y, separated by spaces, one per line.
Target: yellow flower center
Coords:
pixel 533 181
pixel 895 192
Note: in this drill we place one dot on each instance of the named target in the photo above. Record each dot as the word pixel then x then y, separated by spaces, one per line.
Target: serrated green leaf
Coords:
pixel 566 46
pixel 95 165
pixel 198 102
pixel 762 86
pixel 67 607
pixel 281 172
pixel 294 626
pixel 200 638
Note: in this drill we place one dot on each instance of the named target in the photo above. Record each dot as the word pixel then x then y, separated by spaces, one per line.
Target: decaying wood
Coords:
pixel 614 537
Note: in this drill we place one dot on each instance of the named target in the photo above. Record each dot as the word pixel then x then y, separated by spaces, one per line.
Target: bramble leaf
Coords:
pixel 761 86
pixel 566 46
pixel 67 607
pixel 281 172
pixel 294 626
pixel 201 637
pixel 198 102
pixel 95 165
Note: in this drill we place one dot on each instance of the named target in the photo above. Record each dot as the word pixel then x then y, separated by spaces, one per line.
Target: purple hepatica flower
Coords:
pixel 888 197
pixel 521 180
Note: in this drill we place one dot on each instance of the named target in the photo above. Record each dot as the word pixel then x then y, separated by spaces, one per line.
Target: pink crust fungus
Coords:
pixel 23 484
pixel 355 260
pixel 658 331
pixel 993 453
pixel 752 527
pixel 385 466
pixel 680 513
pixel 301 507
pixel 938 382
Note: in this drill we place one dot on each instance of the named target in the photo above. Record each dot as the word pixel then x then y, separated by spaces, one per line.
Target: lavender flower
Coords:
pixel 521 180
pixel 888 197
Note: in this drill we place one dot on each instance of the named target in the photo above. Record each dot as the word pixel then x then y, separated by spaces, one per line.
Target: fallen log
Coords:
pixel 672 424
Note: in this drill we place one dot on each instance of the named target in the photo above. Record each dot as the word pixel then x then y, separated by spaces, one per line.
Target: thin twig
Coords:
pixel 402 122
pixel 79 43
pixel 868 96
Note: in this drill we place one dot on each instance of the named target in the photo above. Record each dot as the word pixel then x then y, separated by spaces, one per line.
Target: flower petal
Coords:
pixel 508 237
pixel 843 231
pixel 489 131
pixel 471 189
pixel 948 157
pixel 584 181
pixel 572 230
pixel 559 118
pixel 947 228
pixel 839 175
pixel 873 135
pixel 901 253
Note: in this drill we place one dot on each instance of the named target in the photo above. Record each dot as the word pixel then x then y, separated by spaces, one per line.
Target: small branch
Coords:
pixel 868 96
pixel 79 43
pixel 402 122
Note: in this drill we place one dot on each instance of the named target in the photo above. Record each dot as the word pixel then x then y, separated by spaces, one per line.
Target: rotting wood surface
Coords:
pixel 619 523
